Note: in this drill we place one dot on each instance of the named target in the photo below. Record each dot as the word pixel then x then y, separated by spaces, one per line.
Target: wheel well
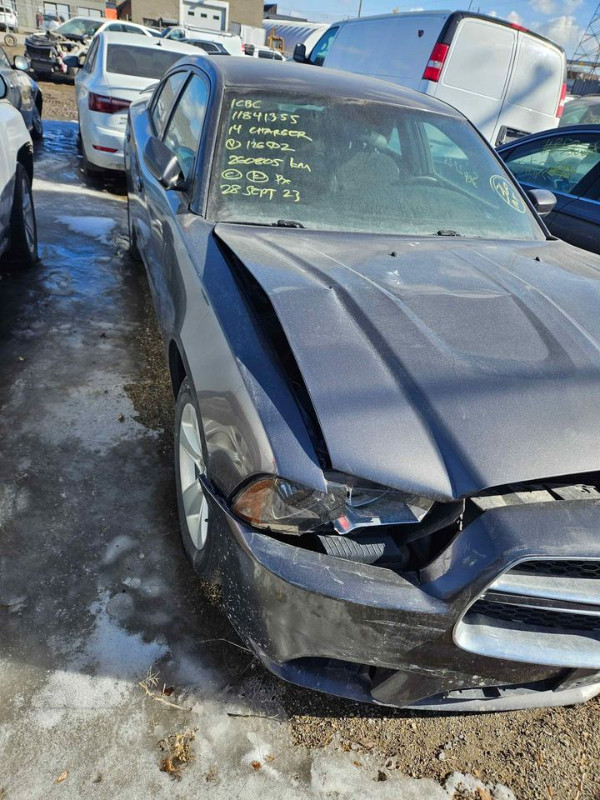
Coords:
pixel 176 368
pixel 25 157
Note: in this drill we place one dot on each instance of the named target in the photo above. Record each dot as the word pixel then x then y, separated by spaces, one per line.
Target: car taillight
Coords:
pixel 107 105
pixel 434 67
pixel 561 102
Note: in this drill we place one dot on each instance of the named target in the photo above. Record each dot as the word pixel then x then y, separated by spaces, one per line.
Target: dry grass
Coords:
pixel 178 749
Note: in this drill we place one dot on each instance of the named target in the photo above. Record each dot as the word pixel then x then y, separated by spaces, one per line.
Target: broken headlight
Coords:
pixel 276 504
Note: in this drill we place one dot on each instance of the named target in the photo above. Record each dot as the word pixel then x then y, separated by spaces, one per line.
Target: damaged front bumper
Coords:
pixel 376 635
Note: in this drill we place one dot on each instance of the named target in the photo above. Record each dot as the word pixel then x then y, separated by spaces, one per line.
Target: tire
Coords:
pixel 10 40
pixel 134 252
pixel 190 458
pixel 37 126
pixel 89 169
pixel 23 227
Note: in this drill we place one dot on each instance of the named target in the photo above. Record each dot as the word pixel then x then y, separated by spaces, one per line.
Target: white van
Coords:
pixel 230 41
pixel 507 80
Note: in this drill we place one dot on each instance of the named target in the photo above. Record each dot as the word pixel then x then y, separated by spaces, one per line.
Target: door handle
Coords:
pixel 139 184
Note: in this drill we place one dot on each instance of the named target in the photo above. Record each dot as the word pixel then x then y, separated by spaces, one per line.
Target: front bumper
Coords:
pixel 369 634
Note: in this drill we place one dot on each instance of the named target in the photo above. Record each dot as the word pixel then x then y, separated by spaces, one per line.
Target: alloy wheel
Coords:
pixel 191 470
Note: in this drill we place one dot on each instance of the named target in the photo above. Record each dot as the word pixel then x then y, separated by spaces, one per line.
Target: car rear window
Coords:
pixel 79 27
pixel 340 164
pixel 139 62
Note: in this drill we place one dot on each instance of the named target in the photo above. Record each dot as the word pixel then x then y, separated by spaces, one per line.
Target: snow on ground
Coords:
pixel 97 227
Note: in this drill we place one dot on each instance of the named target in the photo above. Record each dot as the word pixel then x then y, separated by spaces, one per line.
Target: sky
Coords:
pixel 564 21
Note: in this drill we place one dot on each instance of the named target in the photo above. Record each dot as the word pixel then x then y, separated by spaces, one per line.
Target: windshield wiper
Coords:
pixel 281 223
pixel 447 233
pixel 287 223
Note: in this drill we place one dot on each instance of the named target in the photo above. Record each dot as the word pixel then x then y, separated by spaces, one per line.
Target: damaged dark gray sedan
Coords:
pixel 387 374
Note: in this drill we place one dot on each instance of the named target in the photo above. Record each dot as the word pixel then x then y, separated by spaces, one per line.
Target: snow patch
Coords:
pixel 13 501
pixel 68 692
pixel 40 185
pixel 459 784
pixel 111 649
pixel 338 776
pixel 96 227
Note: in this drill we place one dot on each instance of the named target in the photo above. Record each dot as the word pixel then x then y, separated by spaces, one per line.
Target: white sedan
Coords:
pixel 18 231
pixel 118 67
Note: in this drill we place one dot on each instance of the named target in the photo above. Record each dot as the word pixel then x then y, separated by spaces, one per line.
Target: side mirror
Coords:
pixel 21 63
pixel 3 88
pixel 300 53
pixel 543 201
pixel 163 165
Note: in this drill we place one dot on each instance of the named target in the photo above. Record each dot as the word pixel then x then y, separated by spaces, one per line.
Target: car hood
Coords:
pixel 439 366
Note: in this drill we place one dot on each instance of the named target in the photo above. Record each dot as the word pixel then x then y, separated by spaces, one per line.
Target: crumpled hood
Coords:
pixel 446 368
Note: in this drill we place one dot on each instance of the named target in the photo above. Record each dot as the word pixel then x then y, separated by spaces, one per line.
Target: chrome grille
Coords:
pixel 542 612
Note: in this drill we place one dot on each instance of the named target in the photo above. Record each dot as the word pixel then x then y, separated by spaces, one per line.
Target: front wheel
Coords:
pixel 197 530
pixel 23 228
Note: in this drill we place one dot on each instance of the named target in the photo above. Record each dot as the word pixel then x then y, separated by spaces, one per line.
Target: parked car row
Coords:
pixel 385 366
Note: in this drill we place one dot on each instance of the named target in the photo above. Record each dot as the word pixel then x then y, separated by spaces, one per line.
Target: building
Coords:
pixel 214 14
pixel 270 11
pixel 29 10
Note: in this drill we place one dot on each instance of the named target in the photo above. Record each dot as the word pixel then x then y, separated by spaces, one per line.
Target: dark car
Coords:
pixel 567 162
pixel 23 92
pixel 387 435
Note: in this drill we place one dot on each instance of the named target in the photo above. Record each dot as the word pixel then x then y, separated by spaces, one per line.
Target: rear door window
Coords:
pixel 90 61
pixel 449 161
pixel 132 29
pixel 558 163
pixel 184 130
pixel 165 100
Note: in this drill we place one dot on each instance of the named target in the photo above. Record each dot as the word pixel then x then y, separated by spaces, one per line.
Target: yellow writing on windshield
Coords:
pixel 267 151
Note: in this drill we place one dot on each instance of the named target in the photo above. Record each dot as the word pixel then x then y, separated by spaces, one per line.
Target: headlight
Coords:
pixel 276 504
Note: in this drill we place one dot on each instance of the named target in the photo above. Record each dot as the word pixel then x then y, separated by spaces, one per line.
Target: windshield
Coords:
pixel 79 27
pixel 340 164
pixel 139 62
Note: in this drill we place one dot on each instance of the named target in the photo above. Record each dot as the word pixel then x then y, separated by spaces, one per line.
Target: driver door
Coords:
pixel 182 133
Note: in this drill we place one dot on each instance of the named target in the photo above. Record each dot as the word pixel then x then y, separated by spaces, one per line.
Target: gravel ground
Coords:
pixel 59 101
pixel 541 755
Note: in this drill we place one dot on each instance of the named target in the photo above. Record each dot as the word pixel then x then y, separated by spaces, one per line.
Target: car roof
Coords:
pixel 265 74
pixel 135 40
